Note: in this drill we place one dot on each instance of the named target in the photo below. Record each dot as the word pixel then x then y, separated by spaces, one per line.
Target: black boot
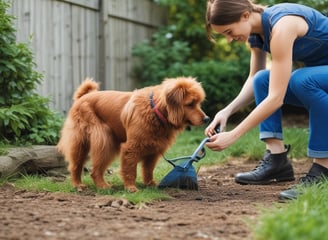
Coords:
pixel 273 167
pixel 316 175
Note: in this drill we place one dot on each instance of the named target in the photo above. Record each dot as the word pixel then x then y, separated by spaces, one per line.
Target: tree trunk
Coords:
pixel 34 159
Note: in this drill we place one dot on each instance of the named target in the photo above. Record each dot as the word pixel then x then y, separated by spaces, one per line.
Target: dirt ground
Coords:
pixel 220 209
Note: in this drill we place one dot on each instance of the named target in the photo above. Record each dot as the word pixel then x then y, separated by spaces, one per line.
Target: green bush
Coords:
pixel 321 5
pixel 160 58
pixel 24 115
pixel 182 49
pixel 165 57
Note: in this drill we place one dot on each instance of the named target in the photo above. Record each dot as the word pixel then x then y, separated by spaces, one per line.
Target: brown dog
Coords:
pixel 140 125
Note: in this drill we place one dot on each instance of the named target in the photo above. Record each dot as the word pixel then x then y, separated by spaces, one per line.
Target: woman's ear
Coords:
pixel 245 16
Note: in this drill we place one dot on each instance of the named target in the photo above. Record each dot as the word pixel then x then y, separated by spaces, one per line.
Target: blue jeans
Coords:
pixel 308 87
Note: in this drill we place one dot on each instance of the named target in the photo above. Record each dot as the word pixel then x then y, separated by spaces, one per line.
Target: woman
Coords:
pixel 288 32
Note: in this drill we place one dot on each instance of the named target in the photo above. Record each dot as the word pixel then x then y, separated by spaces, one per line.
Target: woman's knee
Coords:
pixel 261 80
pixel 299 81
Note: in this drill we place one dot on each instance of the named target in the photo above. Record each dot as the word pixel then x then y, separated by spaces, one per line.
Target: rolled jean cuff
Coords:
pixel 317 154
pixel 265 135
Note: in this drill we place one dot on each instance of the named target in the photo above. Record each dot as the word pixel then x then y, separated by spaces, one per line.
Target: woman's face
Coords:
pixel 238 31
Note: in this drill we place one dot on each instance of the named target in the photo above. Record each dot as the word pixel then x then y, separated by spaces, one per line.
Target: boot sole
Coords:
pixel 276 178
pixel 288 195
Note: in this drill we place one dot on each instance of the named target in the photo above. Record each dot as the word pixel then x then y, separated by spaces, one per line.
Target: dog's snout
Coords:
pixel 206 119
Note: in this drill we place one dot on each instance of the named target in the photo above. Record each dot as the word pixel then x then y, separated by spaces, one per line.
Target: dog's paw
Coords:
pixel 131 189
pixel 152 183
pixel 81 187
pixel 103 185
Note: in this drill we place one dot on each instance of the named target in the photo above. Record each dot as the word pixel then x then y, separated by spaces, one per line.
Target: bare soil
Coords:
pixel 220 209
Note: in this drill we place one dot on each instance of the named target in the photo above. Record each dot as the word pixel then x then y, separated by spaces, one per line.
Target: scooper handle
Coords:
pixel 199 153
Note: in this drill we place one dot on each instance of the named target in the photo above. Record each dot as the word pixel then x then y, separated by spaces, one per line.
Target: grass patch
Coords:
pixel 246 147
pixel 3 149
pixel 41 183
pixel 304 218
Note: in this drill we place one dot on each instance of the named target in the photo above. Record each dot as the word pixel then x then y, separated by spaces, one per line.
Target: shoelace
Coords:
pixel 261 164
pixel 309 179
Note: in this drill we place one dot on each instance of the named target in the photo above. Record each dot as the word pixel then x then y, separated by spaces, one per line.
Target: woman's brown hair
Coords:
pixel 224 12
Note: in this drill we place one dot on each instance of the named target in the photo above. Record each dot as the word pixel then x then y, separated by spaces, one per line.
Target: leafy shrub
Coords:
pixel 24 115
pixel 321 5
pixel 222 81
pixel 165 57
pixel 160 58
pixel 182 49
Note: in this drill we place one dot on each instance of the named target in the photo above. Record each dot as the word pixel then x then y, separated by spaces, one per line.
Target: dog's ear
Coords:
pixel 174 99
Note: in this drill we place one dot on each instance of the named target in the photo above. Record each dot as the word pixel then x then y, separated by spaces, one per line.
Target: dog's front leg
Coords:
pixel 129 160
pixel 148 166
pixel 129 174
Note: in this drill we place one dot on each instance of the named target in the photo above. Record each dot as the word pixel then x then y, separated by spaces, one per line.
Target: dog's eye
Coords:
pixel 191 105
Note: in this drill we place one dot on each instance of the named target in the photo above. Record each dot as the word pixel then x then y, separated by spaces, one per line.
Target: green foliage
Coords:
pixel 3 149
pixel 321 5
pixel 161 58
pixel 221 80
pixel 182 49
pixel 30 122
pixel 164 59
pixel 24 116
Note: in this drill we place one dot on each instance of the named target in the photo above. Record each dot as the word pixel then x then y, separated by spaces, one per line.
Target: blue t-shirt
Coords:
pixel 312 48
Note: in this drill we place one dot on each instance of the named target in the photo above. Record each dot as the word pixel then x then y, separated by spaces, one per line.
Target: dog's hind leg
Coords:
pixel 74 145
pixel 103 151
pixel 148 166
pixel 78 157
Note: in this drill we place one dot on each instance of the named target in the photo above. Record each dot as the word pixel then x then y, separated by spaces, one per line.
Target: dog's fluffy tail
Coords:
pixel 87 86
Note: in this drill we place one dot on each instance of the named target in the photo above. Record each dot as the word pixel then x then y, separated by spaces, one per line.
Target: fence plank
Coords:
pixel 74 39
pixel 127 22
pixel 142 12
pixel 92 4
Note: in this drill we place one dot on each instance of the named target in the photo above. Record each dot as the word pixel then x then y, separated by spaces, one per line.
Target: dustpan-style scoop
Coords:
pixel 183 174
pixel 180 177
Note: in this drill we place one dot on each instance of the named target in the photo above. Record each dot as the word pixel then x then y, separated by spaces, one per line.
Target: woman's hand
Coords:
pixel 220 119
pixel 221 141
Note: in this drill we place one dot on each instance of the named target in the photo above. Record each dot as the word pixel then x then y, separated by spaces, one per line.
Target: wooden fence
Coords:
pixel 74 39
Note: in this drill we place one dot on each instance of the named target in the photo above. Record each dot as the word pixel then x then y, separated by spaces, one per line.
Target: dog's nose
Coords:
pixel 206 119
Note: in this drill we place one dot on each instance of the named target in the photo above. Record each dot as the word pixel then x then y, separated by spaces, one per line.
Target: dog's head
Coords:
pixel 183 97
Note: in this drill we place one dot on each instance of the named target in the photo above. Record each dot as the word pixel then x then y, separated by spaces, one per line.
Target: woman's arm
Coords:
pixel 284 33
pixel 286 30
pixel 245 96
